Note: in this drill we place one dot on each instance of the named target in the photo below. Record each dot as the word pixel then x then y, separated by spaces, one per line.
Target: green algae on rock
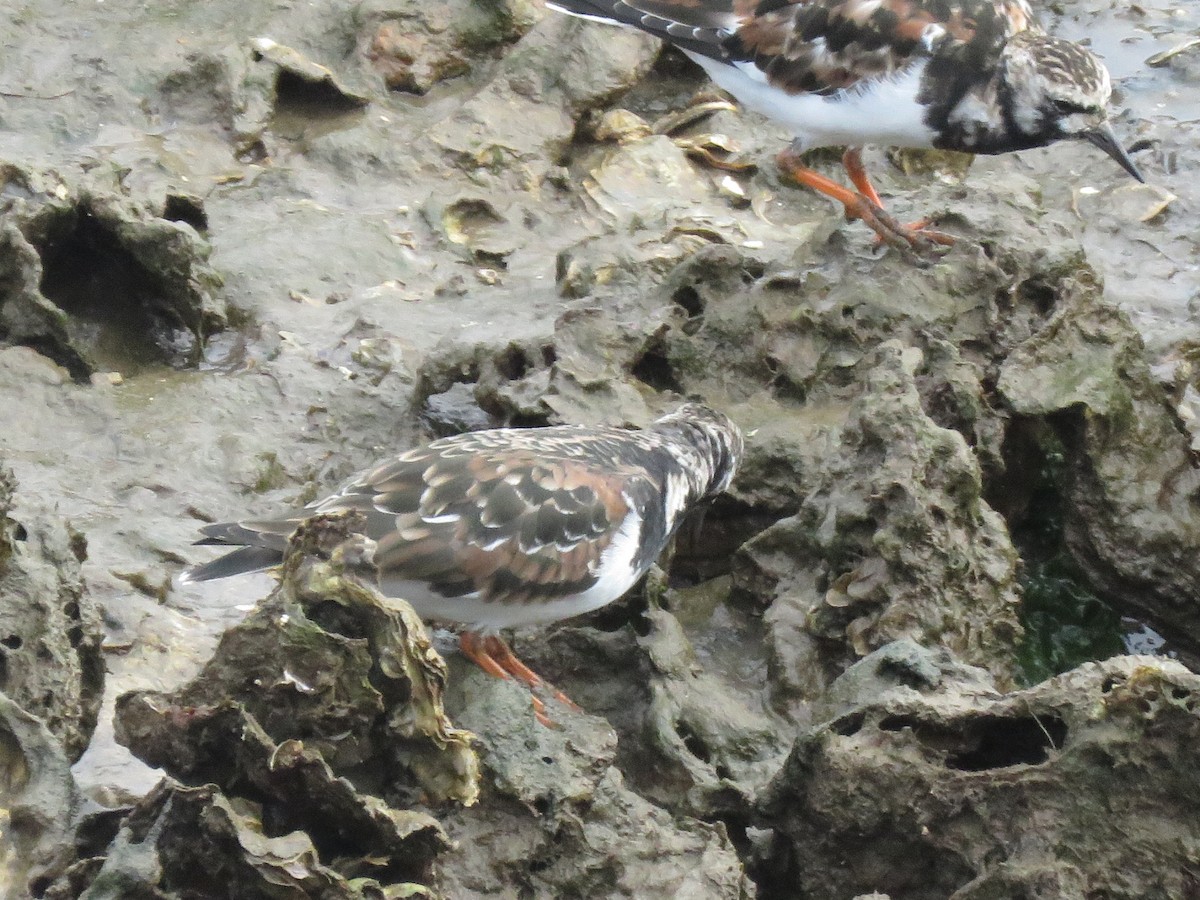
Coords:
pixel 1130 476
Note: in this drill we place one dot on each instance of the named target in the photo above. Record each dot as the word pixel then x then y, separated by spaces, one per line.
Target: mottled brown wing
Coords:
pixel 510 525
pixel 823 46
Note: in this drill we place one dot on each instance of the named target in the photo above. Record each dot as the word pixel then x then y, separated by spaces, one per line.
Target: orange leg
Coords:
pixel 852 160
pixel 861 205
pixel 469 644
pixel 503 654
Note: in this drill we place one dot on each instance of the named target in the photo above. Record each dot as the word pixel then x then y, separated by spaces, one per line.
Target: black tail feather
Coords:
pixel 699 28
pixel 238 562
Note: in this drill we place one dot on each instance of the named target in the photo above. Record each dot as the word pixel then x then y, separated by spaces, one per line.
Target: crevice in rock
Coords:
pixel 116 308
pixel 1000 743
pixel 987 742
pixel 184 208
pixel 1066 622
pixel 692 741
pixel 654 369
pixel 707 539
pixel 688 299
pixel 310 99
pixel 513 363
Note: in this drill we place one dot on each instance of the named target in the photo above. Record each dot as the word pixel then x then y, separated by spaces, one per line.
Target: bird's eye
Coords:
pixel 1068 107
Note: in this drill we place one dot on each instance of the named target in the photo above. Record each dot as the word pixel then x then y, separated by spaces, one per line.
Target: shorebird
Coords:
pixel 977 76
pixel 509 527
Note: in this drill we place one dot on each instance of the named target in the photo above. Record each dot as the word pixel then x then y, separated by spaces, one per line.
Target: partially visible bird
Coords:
pixel 508 527
pixel 977 76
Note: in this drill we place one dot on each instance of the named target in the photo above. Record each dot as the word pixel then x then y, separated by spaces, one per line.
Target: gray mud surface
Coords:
pixel 247 248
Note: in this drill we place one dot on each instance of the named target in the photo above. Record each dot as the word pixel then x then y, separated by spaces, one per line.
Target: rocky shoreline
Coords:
pixel 284 240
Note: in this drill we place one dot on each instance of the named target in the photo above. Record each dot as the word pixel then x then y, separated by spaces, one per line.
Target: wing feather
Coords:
pixel 535 526
pixel 501 516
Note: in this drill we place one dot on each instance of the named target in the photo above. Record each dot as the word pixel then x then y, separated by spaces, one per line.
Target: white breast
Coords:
pixel 883 111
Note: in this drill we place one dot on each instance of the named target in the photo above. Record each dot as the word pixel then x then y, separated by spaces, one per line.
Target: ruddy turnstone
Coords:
pixel 508 527
pixel 972 75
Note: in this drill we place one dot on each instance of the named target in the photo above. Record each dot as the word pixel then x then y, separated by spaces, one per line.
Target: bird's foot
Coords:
pixel 864 204
pixel 496 658
pixel 916 236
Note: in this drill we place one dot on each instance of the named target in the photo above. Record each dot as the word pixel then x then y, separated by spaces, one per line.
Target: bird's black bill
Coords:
pixel 1104 138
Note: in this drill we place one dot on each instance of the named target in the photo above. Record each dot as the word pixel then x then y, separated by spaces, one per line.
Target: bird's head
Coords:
pixel 714 437
pixel 1058 90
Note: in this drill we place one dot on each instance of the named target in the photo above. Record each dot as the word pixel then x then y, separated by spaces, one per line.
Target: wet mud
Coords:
pixel 246 249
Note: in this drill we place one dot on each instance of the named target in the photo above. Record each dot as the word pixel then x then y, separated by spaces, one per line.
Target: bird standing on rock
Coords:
pixel 509 527
pixel 977 76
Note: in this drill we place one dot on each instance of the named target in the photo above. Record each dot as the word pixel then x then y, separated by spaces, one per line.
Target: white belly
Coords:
pixel 884 111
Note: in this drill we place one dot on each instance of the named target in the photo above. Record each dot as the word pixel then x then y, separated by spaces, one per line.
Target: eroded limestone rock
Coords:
pixel 38 802
pixel 414 45
pixel 1130 514
pixel 50 662
pixel 1083 786
pixel 894 540
pixel 556 817
pixel 97 281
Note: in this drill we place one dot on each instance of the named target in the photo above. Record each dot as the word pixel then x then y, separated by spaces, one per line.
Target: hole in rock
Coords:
pixel 117 309
pixel 181 208
pixel 311 99
pixel 12 642
pixel 654 370
pixel 1003 742
pixel 689 299
pixel 692 741
pixel 1039 294
pixel 337 619
pixel 709 537
pixel 513 364
pixel 850 725
pixel 990 742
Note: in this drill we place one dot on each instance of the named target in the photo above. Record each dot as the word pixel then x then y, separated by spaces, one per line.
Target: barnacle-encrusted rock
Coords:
pixel 325 708
pixel 1083 786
